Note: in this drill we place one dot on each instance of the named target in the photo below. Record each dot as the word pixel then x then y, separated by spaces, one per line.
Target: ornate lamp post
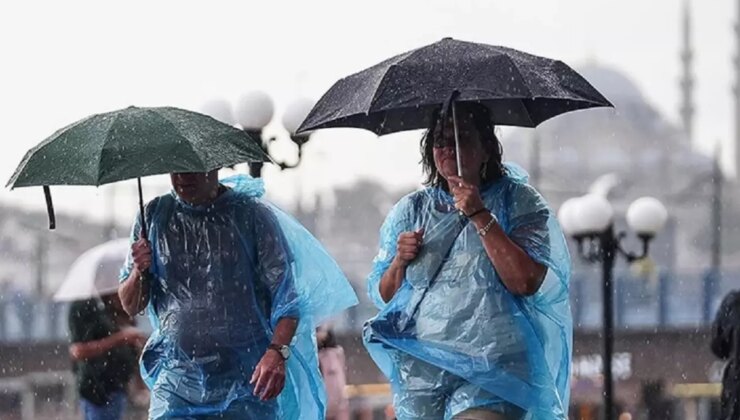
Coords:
pixel 255 110
pixel 589 220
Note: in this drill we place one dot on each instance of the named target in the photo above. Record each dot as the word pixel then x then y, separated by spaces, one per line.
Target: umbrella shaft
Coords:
pixel 457 140
pixel 141 210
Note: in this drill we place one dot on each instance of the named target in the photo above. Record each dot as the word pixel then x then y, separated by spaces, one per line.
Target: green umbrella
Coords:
pixel 133 143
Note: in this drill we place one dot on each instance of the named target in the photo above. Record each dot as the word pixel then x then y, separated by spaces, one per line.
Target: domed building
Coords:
pixel 663 311
pixel 642 153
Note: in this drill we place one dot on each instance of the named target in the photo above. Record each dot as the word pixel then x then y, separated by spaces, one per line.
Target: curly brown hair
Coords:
pixel 480 116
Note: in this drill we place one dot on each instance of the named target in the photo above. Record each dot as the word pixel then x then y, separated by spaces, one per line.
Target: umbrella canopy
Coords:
pixel 94 273
pixel 403 92
pixel 133 143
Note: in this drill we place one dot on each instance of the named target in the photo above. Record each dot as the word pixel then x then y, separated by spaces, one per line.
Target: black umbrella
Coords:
pixel 402 92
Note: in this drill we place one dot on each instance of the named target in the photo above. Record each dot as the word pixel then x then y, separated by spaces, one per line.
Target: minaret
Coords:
pixel 736 96
pixel 687 79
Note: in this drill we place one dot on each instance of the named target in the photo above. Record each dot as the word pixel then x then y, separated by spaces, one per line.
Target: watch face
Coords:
pixel 494 216
pixel 285 351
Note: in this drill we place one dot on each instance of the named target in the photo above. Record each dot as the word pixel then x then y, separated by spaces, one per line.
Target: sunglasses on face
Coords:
pixel 444 139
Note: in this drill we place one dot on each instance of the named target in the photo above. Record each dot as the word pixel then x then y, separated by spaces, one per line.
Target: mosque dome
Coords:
pixel 613 84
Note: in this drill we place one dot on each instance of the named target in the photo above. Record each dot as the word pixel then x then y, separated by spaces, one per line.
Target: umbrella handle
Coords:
pixel 50 208
pixel 457 145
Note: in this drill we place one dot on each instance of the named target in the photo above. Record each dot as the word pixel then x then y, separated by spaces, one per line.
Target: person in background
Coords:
pixel 333 368
pixel 725 336
pixel 104 355
pixel 390 413
pixel 138 393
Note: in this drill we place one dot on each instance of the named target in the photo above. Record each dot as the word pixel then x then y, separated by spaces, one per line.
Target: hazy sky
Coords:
pixel 64 60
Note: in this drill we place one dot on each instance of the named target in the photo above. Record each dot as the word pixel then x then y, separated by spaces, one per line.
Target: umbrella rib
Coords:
pixel 378 89
pixel 168 121
pixel 521 76
pixel 102 149
pixel 30 153
pixel 529 113
pixel 113 123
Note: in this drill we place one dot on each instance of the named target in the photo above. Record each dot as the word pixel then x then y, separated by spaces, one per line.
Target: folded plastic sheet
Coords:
pixel 224 275
pixel 453 335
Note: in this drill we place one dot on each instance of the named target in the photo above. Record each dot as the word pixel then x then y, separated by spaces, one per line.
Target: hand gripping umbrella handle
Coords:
pixel 450 104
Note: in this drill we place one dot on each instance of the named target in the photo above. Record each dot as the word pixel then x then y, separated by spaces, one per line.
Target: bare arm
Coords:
pixel 518 271
pixel 275 259
pixel 407 249
pixel 134 291
pixel 520 274
pixel 269 374
pixel 91 349
pixel 391 280
pixel 284 331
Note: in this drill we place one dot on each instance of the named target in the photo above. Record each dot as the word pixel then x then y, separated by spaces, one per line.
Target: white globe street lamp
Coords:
pixel 593 214
pixel 567 217
pixel 590 220
pixel 219 110
pixel 295 113
pixel 647 216
pixel 253 112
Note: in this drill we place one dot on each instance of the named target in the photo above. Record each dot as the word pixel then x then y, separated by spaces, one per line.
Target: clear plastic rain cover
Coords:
pixel 453 337
pixel 224 275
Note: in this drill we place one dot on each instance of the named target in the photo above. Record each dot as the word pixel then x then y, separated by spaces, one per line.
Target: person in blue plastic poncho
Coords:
pixel 472 285
pixel 235 291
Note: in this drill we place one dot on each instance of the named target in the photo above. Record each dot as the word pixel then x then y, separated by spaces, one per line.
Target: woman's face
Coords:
pixel 472 152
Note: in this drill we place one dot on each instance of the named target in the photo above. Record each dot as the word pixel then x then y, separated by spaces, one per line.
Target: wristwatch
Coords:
pixel 283 350
pixel 484 230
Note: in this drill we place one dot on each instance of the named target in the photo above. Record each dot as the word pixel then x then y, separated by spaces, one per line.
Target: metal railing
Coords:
pixel 686 299
pixel 683 299
pixel 28 395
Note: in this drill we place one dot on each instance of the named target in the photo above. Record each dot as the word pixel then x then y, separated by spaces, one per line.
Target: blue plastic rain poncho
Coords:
pixel 225 274
pixel 453 337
